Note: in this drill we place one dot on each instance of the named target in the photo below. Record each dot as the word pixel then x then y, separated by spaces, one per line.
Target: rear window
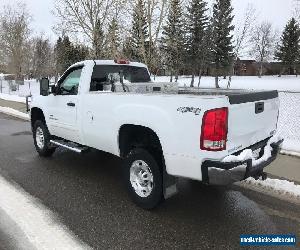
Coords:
pixel 131 73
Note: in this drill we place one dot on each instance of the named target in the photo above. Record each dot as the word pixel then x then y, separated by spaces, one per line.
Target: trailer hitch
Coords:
pixel 263 176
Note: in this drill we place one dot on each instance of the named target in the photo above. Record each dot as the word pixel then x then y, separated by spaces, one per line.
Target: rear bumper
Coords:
pixel 224 173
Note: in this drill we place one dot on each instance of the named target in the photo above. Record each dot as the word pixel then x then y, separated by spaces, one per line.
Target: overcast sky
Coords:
pixel 275 11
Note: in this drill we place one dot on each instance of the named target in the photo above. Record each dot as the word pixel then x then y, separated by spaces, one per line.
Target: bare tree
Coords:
pixel 242 35
pixel 296 11
pixel 262 43
pixel 243 30
pixel 156 11
pixel 14 34
pixel 88 17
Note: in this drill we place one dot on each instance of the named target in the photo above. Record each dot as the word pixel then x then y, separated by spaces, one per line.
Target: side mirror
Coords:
pixel 53 89
pixel 44 87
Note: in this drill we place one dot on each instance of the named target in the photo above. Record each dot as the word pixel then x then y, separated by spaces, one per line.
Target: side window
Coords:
pixel 70 83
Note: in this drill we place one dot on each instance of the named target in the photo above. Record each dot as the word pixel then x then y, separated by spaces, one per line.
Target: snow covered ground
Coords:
pixel 289 87
pixel 30 87
pixel 284 83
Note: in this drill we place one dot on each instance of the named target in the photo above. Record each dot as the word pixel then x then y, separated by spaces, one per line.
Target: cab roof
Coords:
pixel 109 62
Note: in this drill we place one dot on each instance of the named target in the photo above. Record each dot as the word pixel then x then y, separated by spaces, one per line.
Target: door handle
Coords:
pixel 71 104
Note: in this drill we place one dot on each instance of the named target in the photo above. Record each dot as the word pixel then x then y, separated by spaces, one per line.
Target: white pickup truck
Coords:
pixel 160 130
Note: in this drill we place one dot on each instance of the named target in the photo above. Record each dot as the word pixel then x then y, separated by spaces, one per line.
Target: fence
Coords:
pixel 19 88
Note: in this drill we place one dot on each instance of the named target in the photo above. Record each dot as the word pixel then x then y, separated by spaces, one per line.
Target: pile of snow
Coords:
pixel 279 187
pixel 13 112
pixel 247 154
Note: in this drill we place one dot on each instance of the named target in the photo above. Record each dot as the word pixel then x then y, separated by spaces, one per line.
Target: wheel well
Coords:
pixel 133 136
pixel 36 114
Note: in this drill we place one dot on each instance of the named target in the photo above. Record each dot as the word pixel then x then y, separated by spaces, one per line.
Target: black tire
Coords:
pixel 156 195
pixel 46 150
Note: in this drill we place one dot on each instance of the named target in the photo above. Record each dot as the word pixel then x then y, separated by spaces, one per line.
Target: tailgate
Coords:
pixel 252 118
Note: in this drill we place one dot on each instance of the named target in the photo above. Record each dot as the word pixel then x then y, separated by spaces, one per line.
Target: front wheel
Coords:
pixel 41 137
pixel 143 178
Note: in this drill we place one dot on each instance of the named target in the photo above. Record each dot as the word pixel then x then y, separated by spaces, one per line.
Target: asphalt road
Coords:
pixel 87 193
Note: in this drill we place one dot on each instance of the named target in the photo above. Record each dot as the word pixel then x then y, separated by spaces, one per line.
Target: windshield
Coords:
pixel 131 73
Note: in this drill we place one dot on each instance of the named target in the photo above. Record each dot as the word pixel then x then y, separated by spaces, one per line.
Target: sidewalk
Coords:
pixel 15 105
pixel 285 167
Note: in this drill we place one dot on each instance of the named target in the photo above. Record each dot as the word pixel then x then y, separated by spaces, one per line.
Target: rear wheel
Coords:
pixel 41 137
pixel 143 178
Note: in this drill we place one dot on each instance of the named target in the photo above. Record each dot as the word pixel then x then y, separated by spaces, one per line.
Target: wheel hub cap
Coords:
pixel 141 178
pixel 39 136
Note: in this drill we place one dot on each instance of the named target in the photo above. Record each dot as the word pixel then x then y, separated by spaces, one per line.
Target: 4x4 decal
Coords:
pixel 183 110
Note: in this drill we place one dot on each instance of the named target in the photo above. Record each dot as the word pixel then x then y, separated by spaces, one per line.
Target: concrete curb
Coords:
pixel 15 115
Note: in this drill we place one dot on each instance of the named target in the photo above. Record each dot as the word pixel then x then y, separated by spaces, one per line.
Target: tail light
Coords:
pixel 214 130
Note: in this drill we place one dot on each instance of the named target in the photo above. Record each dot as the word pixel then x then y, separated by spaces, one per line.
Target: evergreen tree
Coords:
pixel 113 40
pixel 41 63
pixel 61 50
pixel 288 51
pixel 222 37
pixel 173 38
pixel 68 54
pixel 196 27
pixel 139 33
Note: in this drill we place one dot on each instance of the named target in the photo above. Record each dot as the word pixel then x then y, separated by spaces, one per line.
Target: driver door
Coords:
pixel 63 106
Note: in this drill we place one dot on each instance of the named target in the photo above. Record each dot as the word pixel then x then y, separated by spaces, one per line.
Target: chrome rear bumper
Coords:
pixel 225 173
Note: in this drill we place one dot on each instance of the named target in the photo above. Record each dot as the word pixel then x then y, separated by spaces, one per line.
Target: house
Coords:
pixel 245 67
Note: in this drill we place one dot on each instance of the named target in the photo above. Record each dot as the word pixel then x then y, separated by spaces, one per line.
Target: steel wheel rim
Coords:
pixel 141 178
pixel 40 138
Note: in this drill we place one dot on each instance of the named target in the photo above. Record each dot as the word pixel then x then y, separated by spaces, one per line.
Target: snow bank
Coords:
pixel 279 187
pixel 13 112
